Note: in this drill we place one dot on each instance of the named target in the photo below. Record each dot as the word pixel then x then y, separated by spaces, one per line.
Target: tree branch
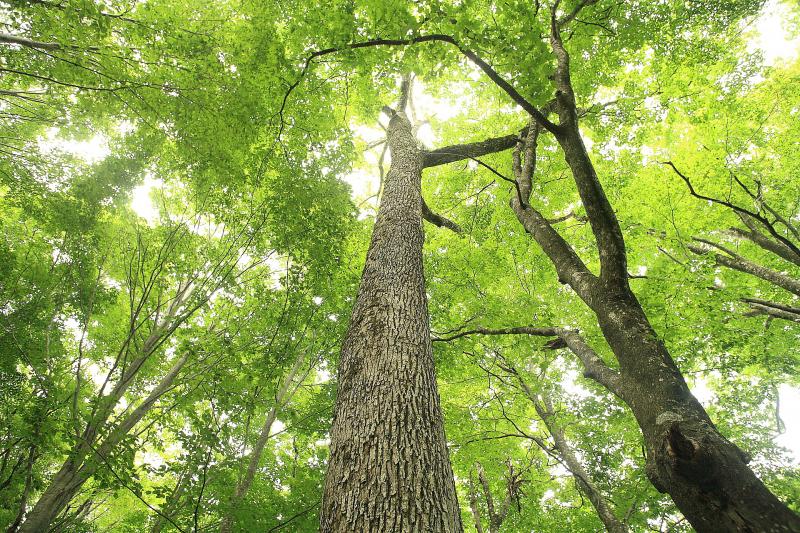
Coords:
pixel 459 152
pixel 566 19
pixel 438 220
pixel 7 38
pixel 569 266
pixel 472 56
pixel 736 262
pixel 755 236
pixel 739 210
pixel 594 367
pixel 773 309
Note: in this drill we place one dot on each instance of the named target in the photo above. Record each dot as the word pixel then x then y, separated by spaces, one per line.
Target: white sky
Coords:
pixel 772 36
pixel 142 199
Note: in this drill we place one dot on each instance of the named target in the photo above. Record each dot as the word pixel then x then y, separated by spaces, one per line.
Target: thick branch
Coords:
pixel 603 220
pixel 459 152
pixel 773 309
pixel 755 236
pixel 569 266
pixel 438 220
pixel 7 38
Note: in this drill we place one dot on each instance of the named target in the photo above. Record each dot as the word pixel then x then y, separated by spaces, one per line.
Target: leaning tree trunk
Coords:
pixel 389 469
pixel 687 457
pixel 76 470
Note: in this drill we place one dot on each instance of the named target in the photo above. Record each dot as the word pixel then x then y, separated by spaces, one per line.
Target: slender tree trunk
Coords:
pixel 23 503
pixel 389 469
pixel 473 506
pixel 284 395
pixel 172 505
pixel 76 470
pixel 602 506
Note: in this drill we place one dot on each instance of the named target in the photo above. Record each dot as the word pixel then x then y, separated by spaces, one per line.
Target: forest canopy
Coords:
pixel 379 265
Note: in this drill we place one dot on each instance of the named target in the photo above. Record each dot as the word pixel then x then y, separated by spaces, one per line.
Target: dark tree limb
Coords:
pixel 438 220
pixel 459 152
pixel 594 367
pixel 603 220
pixel 569 266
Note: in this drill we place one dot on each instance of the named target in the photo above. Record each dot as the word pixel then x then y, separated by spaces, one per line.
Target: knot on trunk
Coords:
pixel 679 446
pixel 682 451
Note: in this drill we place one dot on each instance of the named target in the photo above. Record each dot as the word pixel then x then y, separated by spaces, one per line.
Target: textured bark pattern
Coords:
pixel 389 469
pixel 706 474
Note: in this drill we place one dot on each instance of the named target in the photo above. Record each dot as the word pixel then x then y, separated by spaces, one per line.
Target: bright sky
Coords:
pixel 772 36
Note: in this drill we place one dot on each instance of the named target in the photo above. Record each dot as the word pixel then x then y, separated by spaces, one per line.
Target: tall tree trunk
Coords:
pixel 389 469
pixel 687 457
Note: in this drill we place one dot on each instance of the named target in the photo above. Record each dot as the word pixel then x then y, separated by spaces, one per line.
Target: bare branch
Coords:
pixel 472 56
pixel 737 209
pixel 438 220
pixel 459 152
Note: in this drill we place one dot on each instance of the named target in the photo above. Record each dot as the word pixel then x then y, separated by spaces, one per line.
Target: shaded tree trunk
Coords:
pixel 389 469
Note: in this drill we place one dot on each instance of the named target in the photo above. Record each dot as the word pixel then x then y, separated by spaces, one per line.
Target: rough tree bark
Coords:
pixel 389 469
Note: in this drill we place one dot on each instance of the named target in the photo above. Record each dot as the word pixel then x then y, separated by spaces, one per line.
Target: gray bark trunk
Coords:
pixel 389 469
